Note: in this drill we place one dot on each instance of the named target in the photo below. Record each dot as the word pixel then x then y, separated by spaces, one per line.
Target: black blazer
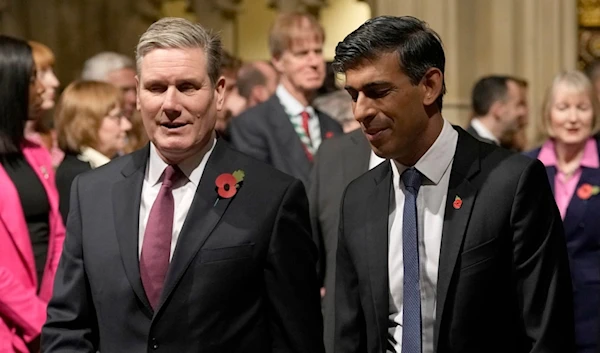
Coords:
pixel 339 161
pixel 242 277
pixel 503 282
pixel 266 133
pixel 68 169
pixel 582 232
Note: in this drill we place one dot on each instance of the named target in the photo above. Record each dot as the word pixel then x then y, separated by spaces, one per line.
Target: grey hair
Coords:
pixel 179 33
pixel 100 65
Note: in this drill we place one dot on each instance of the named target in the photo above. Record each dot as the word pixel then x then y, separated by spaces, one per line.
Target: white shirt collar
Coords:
pixel 434 163
pixel 93 157
pixel 483 131
pixel 290 104
pixel 192 167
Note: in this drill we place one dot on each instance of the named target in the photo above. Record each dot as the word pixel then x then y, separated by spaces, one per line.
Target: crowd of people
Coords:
pixel 187 201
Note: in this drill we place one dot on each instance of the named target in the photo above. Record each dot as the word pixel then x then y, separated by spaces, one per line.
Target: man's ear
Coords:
pixel 432 83
pixel 220 92
pixel 137 90
pixel 277 62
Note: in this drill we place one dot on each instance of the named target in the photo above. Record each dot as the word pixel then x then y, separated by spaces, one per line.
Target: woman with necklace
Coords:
pixel 570 154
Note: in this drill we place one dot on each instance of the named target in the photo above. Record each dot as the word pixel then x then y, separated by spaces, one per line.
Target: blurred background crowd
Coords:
pixel 524 75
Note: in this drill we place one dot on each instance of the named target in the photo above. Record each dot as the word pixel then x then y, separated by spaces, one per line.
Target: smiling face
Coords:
pixel 571 114
pixel 392 111
pixel 177 101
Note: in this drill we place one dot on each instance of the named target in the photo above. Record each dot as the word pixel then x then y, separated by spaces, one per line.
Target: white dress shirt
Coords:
pixel 374 160
pixel 435 166
pixel 183 191
pixel 484 131
pixel 93 157
pixel 294 108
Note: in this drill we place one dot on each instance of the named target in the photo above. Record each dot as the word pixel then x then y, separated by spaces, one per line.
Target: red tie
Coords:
pixel 156 247
pixel 305 118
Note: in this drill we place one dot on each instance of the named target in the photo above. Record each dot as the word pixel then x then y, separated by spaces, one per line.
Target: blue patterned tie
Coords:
pixel 411 305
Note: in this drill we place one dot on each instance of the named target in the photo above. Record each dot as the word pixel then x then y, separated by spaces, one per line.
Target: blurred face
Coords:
pixel 233 103
pixel 112 133
pixel 36 90
pixel 302 66
pixel 177 101
pixel 512 112
pixel 571 115
pixel 124 79
pixel 270 75
pixel 389 108
pixel 50 83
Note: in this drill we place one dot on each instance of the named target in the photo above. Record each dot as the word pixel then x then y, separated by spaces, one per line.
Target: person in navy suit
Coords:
pixel 570 154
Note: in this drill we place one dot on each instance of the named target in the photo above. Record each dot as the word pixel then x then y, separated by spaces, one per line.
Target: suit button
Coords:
pixel 154 343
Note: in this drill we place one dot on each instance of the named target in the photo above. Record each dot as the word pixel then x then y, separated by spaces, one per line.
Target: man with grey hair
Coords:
pixel 186 245
pixel 117 69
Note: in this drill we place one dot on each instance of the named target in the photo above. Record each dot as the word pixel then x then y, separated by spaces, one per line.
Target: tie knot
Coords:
pixel 305 115
pixel 412 179
pixel 171 175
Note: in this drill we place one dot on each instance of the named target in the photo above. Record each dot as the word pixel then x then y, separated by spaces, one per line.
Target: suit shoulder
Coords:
pixel 363 185
pixel 260 172
pixel 256 112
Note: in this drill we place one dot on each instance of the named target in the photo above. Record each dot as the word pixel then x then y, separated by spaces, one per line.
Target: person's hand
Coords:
pixel 323 291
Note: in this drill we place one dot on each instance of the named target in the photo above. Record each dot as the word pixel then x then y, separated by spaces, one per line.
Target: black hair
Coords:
pixel 487 91
pixel 419 48
pixel 16 73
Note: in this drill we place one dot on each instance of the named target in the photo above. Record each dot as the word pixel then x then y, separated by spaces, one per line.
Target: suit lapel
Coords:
pixel 287 138
pixel 376 243
pixel 577 206
pixel 202 217
pixel 466 163
pixel 356 157
pixel 127 195
pixel 14 221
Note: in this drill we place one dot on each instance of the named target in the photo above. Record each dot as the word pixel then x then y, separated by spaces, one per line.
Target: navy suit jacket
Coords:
pixel 582 232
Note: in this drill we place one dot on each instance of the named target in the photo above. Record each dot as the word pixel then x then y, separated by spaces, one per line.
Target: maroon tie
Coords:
pixel 156 247
pixel 305 118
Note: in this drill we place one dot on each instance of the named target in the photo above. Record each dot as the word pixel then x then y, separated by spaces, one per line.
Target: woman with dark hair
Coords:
pixel 31 229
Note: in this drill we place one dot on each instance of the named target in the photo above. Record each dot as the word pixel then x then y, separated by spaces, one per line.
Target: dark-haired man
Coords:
pixel 454 246
pixel 499 108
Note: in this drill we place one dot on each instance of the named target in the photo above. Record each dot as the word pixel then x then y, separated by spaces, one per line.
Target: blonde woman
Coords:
pixel 570 154
pixel 91 130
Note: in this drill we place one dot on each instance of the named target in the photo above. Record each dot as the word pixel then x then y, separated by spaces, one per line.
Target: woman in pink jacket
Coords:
pixel 31 229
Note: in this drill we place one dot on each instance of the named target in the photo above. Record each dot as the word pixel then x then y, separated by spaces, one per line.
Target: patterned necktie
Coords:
pixel 308 143
pixel 411 305
pixel 156 248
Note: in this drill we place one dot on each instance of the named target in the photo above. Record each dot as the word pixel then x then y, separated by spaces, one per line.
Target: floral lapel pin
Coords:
pixel 228 184
pixel 586 191
pixel 457 204
pixel 328 134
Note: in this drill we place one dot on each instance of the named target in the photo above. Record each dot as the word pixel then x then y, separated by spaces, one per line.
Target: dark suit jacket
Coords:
pixel 503 282
pixel 339 161
pixel 582 225
pixel 266 133
pixel 68 169
pixel 242 277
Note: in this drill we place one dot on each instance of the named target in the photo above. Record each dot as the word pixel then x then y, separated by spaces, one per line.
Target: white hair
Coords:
pixel 100 65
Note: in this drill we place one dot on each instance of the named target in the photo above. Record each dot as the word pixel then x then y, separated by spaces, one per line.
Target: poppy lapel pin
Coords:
pixel 457 204
pixel 228 184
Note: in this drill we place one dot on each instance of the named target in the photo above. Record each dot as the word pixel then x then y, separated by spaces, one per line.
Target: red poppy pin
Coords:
pixel 586 191
pixel 228 184
pixel 328 134
pixel 457 204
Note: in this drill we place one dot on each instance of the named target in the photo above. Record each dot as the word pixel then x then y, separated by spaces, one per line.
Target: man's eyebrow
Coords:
pixel 370 85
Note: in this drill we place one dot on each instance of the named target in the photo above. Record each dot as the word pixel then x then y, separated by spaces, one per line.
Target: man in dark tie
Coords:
pixel 186 245
pixel 286 131
pixel 456 245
